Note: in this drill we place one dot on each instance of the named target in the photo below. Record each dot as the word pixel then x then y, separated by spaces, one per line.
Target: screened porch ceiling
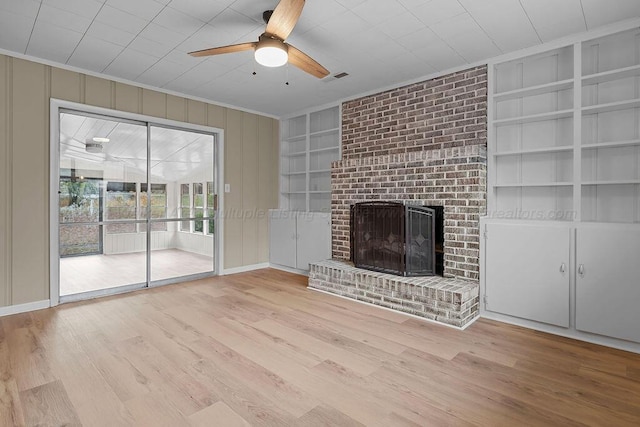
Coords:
pixel 175 153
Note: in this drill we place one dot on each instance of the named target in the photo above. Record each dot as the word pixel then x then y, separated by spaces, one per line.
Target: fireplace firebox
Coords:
pixel 395 238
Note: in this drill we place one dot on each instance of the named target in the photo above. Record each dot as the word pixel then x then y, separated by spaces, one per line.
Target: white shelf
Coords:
pixel 613 182
pixel 322 150
pixel 534 90
pixel 324 132
pixel 302 153
pixel 539 184
pixel 611 75
pixel 562 114
pixel 296 138
pixel 612 106
pixel 534 151
pixel 612 144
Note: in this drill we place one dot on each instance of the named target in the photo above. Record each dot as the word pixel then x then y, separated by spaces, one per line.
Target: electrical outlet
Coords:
pixel 227 188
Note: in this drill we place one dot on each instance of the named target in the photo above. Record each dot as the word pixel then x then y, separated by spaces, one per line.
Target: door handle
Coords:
pixel 563 268
pixel 581 270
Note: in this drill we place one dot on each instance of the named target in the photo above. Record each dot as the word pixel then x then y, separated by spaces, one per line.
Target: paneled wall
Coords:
pixel 251 166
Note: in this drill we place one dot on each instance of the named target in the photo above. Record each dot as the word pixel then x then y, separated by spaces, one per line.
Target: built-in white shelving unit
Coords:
pixel 562 234
pixel 310 142
pixel 565 132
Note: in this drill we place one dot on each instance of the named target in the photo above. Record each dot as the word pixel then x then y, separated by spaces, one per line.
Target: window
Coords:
pixel 211 206
pixel 198 201
pixel 198 206
pixel 121 204
pixel 158 205
pixel 185 210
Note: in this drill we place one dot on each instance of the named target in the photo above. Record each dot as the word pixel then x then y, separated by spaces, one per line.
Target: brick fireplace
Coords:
pixel 424 144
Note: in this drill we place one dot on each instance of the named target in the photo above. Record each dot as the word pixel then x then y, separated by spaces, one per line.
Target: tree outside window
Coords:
pixel 198 206
pixel 185 210
pixel 158 205
pixel 211 207
pixel 121 204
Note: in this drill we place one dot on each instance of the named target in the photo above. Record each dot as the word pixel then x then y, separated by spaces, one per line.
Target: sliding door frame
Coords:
pixel 56 106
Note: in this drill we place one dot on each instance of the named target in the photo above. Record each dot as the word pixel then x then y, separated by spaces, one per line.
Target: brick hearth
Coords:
pixel 450 301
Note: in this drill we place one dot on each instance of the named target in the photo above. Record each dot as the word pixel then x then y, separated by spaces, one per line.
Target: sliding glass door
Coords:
pixel 136 204
pixel 182 164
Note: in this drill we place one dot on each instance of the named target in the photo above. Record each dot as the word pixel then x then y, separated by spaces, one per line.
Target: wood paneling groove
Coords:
pixel 233 223
pixel 196 112
pixel 67 85
pixel 83 88
pixel 265 181
pixel 176 108
pixel 216 116
pixel 98 92
pixel 154 103
pixel 250 188
pixel 127 98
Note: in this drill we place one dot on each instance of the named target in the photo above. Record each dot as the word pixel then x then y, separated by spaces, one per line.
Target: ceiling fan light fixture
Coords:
pixel 93 147
pixel 271 52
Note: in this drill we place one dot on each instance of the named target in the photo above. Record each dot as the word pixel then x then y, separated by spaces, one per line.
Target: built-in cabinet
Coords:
pixel 298 238
pixel 608 282
pixel 527 272
pixel 578 276
pixel 310 142
pixel 562 234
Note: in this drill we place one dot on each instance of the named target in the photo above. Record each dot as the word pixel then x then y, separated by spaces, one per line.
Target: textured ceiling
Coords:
pixel 378 42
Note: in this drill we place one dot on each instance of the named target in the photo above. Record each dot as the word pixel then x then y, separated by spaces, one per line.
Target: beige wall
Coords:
pixel 251 166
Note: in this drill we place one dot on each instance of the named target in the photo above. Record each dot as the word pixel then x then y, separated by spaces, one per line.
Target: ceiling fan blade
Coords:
pixel 306 63
pixel 224 49
pixel 284 18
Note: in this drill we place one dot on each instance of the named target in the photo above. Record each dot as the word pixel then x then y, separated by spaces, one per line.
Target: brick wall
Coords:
pixel 448 111
pixel 424 143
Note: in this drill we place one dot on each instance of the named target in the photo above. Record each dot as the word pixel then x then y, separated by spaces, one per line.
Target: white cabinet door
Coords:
pixel 314 238
pixel 608 282
pixel 282 238
pixel 527 272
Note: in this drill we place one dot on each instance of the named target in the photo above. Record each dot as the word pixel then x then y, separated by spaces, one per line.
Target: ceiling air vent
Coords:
pixel 336 77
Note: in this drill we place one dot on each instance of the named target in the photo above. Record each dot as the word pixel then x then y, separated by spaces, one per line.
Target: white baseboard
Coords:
pixel 289 269
pixel 458 328
pixel 23 308
pixel 244 268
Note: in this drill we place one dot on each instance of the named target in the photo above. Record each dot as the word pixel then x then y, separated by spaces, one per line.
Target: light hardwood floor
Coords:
pixel 260 349
pixel 94 272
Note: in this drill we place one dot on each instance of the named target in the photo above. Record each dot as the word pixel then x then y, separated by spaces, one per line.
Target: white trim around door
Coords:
pixel 54 168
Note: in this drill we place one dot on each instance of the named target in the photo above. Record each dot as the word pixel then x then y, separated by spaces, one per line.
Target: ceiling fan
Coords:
pixel 271 50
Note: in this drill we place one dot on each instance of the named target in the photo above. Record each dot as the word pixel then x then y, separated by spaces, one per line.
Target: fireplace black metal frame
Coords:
pixel 407 266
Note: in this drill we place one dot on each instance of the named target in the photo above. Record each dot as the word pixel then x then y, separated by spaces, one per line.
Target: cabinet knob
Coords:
pixel 581 270
pixel 563 268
